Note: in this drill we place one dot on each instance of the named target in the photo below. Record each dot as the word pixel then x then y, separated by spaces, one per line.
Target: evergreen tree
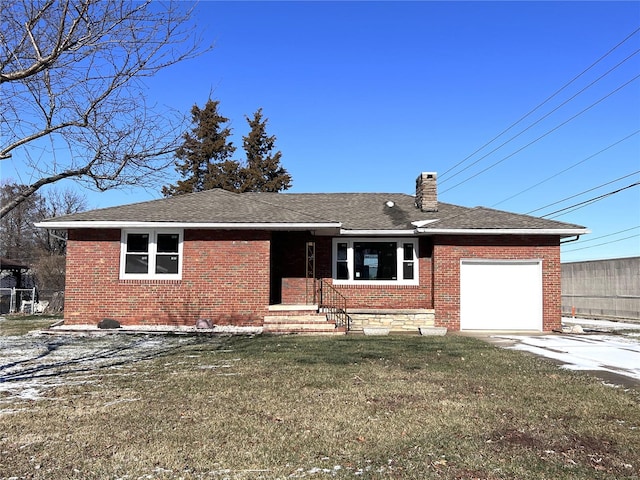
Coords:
pixel 206 155
pixel 263 172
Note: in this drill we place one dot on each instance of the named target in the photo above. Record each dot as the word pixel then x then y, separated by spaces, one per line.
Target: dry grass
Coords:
pixel 300 407
pixel 20 324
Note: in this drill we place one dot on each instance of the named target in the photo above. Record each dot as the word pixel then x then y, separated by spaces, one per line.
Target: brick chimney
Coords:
pixel 427 192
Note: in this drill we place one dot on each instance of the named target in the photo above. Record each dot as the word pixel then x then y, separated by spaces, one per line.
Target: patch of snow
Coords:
pixel 608 353
pixel 207 367
pixel 603 324
pixel 121 400
pixel 31 365
pixel 180 329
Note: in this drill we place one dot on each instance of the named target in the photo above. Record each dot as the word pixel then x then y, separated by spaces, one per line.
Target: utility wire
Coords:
pixel 577 206
pixel 544 134
pixel 565 170
pixel 601 244
pixel 583 192
pixel 543 117
pixel 544 102
pixel 608 235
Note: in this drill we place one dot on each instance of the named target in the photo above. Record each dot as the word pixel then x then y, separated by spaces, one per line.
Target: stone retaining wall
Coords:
pixel 395 320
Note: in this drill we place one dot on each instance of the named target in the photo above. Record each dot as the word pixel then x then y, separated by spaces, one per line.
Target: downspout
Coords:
pixel 572 240
pixel 57 236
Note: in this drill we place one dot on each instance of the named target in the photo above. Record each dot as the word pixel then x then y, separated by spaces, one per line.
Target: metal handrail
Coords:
pixel 334 305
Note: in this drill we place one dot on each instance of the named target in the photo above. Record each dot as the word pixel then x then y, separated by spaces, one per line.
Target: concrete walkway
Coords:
pixel 610 350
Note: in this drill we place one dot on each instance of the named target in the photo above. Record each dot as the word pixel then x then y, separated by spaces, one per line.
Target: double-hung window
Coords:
pixel 375 261
pixel 151 254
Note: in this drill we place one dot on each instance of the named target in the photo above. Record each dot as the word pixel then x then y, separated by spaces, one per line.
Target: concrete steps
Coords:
pixel 307 324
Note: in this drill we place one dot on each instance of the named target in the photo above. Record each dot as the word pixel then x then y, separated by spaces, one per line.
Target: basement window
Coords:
pixel 375 261
pixel 151 254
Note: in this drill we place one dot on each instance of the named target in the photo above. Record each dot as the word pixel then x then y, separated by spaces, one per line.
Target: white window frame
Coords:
pixel 400 241
pixel 153 252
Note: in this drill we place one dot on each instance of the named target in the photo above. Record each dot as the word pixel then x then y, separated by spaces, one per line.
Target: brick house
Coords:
pixel 324 262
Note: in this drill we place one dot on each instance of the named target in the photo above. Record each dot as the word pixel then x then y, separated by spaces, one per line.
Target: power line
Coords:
pixel 583 192
pixel 543 117
pixel 545 134
pixel 544 102
pixel 577 206
pixel 601 244
pixel 565 170
pixel 609 234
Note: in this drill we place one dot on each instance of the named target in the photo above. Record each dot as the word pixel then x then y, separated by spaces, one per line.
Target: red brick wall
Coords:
pixel 225 277
pixel 298 291
pixel 449 250
pixel 387 296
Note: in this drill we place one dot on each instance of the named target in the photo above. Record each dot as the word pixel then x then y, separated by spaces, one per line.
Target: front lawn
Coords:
pixel 405 407
pixel 19 324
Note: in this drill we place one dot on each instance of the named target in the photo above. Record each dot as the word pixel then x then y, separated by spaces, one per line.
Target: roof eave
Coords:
pixel 327 227
pixel 563 232
pixel 377 233
pixel 104 224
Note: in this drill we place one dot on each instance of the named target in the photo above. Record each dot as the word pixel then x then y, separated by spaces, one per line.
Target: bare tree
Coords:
pixel 49 265
pixel 72 98
pixel 55 202
pixel 18 240
pixel 44 250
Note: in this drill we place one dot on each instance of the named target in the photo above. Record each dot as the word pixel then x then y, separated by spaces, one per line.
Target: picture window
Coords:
pixel 375 261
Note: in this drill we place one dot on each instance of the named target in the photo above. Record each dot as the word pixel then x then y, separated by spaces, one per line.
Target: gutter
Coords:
pixel 571 240
pixel 370 233
pixel 563 232
pixel 333 227
pixel 65 225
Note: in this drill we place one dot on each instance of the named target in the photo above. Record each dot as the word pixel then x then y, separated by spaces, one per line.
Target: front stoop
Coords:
pixel 279 323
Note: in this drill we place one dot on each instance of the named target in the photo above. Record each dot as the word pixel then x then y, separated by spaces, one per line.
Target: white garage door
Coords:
pixel 500 295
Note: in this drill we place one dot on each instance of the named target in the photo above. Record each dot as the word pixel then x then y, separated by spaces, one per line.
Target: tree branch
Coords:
pixel 71 99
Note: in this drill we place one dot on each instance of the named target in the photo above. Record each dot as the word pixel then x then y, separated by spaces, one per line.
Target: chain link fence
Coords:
pixel 14 300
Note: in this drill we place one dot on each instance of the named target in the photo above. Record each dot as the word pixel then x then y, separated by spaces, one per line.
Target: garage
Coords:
pixel 500 295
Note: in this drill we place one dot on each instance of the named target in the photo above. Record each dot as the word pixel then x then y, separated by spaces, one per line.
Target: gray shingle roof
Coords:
pixel 355 211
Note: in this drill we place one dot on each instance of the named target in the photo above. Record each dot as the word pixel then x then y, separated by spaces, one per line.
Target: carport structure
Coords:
pixel 15 268
pixel 9 295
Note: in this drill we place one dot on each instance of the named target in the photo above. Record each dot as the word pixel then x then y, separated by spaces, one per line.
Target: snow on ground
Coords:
pixel 32 364
pixel 607 352
pixel 217 329
pixel 607 325
pixel 592 352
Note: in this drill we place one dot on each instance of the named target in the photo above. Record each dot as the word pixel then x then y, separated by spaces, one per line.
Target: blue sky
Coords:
pixel 363 96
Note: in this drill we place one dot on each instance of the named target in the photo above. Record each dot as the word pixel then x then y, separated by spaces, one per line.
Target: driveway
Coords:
pixel 609 350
